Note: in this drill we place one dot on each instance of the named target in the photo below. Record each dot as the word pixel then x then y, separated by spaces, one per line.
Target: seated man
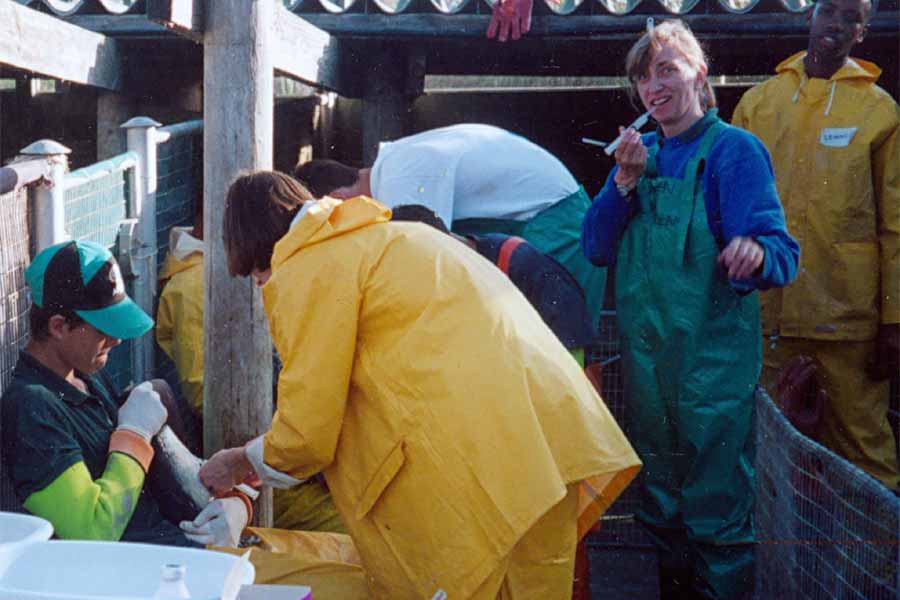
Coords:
pixel 77 455
pixel 179 332
pixel 478 179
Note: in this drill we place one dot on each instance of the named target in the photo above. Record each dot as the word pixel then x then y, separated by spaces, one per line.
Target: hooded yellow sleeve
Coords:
pixel 317 346
pixel 886 181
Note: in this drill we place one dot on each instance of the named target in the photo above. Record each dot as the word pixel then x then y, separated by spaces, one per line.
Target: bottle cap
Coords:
pixel 173 572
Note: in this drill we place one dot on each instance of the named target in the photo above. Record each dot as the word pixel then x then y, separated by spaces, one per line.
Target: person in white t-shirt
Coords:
pixel 478 179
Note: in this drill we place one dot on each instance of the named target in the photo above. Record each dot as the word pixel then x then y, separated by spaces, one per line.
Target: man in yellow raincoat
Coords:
pixel 179 333
pixel 833 135
pixel 463 446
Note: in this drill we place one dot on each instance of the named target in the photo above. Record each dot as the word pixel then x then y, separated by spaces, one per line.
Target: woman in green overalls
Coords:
pixel 692 221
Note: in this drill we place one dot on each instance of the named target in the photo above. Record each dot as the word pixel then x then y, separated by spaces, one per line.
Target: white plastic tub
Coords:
pixel 57 570
pixel 15 527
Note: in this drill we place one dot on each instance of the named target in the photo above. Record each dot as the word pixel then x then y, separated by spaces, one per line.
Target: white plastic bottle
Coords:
pixel 171 585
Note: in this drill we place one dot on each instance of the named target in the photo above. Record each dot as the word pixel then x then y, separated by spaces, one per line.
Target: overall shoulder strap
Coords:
pixel 698 161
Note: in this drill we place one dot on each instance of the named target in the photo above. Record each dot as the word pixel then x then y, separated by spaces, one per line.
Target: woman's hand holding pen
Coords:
pixel 631 156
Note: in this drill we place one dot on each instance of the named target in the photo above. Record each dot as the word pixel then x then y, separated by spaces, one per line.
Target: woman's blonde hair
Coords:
pixel 678 34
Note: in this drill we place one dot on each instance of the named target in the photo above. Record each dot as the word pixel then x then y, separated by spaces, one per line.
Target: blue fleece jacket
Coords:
pixel 739 192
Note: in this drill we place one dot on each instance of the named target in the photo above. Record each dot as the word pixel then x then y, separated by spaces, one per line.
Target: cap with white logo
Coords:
pixel 84 277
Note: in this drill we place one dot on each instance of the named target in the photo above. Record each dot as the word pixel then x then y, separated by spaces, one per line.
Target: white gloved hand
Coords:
pixel 219 524
pixel 143 412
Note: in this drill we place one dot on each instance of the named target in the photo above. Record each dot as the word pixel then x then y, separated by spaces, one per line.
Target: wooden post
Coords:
pixel 237 135
pixel 385 101
pixel 113 109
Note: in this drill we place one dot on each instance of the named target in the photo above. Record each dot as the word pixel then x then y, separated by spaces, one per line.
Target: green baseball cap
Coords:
pixel 84 277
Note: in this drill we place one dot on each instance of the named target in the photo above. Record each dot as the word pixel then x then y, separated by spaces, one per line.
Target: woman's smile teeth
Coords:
pixel 659 101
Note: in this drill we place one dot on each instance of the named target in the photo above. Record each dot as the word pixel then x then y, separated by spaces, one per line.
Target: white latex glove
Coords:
pixel 219 524
pixel 143 412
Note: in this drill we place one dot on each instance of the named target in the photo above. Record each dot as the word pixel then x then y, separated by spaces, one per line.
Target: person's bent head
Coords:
pixel 419 214
pixel 80 310
pixel 326 177
pixel 259 208
pixel 667 70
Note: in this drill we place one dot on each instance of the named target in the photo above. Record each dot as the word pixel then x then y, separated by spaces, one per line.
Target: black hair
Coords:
pixel 39 320
pixel 323 176
pixel 420 214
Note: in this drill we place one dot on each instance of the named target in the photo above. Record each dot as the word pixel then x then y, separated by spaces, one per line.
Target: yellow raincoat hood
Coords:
pixel 185 252
pixel 446 417
pixel 327 218
pixel 855 73
pixel 834 146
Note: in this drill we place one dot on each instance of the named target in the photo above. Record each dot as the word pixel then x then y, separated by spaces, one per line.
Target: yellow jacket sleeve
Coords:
pixel 886 181
pixel 317 345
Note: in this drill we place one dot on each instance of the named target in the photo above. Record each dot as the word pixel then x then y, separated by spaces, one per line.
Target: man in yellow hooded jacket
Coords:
pixel 833 135
pixel 463 446
pixel 179 333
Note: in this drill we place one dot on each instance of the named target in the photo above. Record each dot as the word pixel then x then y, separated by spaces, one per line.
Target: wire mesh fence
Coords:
pixel 618 528
pixel 180 186
pixel 15 242
pixel 825 529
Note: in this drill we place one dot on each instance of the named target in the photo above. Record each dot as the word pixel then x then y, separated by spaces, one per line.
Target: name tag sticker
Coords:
pixel 837 137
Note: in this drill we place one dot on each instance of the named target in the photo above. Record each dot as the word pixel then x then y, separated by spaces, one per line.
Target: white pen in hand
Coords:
pixel 636 125
pixel 593 142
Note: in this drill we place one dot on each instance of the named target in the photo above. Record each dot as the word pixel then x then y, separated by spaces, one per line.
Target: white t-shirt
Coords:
pixel 470 171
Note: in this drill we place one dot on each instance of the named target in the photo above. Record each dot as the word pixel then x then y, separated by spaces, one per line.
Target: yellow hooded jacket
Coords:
pixel 179 318
pixel 834 145
pixel 446 416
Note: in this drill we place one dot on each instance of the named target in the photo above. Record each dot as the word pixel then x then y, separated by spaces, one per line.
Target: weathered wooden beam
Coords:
pixel 112 110
pixel 386 105
pixel 418 26
pixel 238 109
pixel 122 26
pixel 183 16
pixel 36 42
pixel 594 27
pixel 305 52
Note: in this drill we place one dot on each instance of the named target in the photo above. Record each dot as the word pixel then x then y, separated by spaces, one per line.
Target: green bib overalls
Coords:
pixel 691 356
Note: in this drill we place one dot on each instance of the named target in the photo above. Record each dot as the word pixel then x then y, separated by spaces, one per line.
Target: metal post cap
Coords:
pixel 137 122
pixel 44 148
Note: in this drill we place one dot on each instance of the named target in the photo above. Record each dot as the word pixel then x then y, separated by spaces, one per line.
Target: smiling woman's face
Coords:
pixel 672 88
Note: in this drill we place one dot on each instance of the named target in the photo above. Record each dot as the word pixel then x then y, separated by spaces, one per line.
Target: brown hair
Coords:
pixel 259 208
pixel 675 32
pixel 323 176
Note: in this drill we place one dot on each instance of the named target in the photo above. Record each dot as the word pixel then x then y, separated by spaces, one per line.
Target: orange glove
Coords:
pixel 510 16
pixel 801 398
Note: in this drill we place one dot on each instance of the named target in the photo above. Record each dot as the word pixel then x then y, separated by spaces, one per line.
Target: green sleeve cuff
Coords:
pixel 84 509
